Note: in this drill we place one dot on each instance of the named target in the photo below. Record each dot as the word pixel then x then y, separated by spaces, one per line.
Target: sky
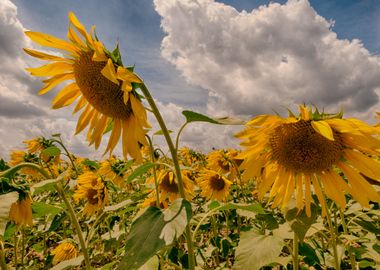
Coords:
pixel 236 58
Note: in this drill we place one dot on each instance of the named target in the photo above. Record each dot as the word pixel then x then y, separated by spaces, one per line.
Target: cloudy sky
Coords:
pixel 231 57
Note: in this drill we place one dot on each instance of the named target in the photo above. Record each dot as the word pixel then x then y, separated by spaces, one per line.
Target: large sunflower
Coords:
pixel 105 89
pixel 317 150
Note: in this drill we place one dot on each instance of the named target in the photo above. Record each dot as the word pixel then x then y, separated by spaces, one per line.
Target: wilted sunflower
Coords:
pixel 316 150
pixel 214 185
pixel 92 189
pixel 112 169
pixel 224 161
pixel 64 251
pixel 21 211
pixel 105 89
pixel 19 156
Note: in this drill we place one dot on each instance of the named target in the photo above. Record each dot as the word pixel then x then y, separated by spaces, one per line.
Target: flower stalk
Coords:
pixel 173 153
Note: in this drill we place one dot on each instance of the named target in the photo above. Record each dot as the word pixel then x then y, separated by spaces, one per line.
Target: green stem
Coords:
pixel 345 230
pixel 154 171
pixel 333 235
pixel 295 252
pixel 22 246
pixel 14 169
pixel 75 222
pixel 173 152
pixel 178 134
pixel 68 154
pixel 3 264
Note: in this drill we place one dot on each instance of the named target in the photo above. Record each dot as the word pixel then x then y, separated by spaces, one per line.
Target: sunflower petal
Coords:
pixel 51 69
pixel 66 96
pixel 109 72
pixel 323 128
pixel 51 41
pixel 53 81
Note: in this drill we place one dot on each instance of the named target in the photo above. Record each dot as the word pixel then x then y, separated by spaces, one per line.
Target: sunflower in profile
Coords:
pixel 64 251
pixel 21 210
pixel 20 156
pixel 323 151
pixel 105 90
pixel 213 185
pixel 113 170
pixel 224 161
pixel 92 189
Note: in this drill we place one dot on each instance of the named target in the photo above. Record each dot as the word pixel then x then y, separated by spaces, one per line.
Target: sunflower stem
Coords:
pixel 295 252
pixel 345 230
pixel 173 153
pixel 178 134
pixel 3 264
pixel 14 169
pixel 68 155
pixel 333 235
pixel 154 171
pixel 75 222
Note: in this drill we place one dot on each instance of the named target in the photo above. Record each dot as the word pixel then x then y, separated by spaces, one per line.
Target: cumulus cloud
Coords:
pixel 273 57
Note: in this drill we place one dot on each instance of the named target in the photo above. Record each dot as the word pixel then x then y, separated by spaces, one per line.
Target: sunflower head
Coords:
pixel 315 150
pixel 64 251
pixel 214 185
pixel 104 89
pixel 21 211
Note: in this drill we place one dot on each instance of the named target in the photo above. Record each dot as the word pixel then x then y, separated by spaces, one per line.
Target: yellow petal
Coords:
pixel 307 195
pixel 115 135
pixel 53 81
pixel 332 190
pixel 81 103
pixel 51 69
pixel 51 41
pixel 99 54
pixel 109 72
pixel 44 56
pixel 66 96
pixel 319 193
pixel 299 192
pixel 99 130
pixel 363 163
pixel 323 128
pixel 126 97
pixel 84 118
pixel 289 190
pixel 305 113
pixel 74 37
pixel 126 75
pixel 73 19
pixel 139 111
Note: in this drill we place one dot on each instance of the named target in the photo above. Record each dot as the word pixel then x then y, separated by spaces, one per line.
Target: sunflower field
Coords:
pixel 302 192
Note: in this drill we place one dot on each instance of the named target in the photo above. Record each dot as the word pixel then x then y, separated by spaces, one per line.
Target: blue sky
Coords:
pixel 209 57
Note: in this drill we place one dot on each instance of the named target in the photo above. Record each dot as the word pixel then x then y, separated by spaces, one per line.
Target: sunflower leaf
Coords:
pixel 256 250
pixel 139 171
pixel 300 222
pixel 198 117
pixel 6 200
pixel 51 151
pixel 68 264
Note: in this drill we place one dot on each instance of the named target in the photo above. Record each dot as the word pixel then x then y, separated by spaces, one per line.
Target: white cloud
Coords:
pixel 273 57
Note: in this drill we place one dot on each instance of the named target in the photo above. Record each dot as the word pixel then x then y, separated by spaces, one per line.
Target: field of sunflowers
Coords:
pixel 302 192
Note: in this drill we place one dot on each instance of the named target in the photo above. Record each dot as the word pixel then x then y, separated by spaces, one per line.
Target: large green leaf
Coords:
pixel 151 231
pixel 252 207
pixel 6 201
pixel 198 117
pixel 41 209
pixel 256 250
pixel 300 222
pixel 51 151
pixel 46 185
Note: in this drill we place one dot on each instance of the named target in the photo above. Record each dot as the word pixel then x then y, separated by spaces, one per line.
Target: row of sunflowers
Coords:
pixel 303 193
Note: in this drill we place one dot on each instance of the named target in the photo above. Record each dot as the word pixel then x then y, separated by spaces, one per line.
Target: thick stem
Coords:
pixel 75 222
pixel 345 230
pixel 333 235
pixel 295 252
pixel 173 152
pixel 3 264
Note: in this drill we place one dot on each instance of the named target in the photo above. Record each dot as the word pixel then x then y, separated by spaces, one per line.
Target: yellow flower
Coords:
pixel 111 169
pixel 102 87
pixel 168 187
pixel 223 161
pixel 21 211
pixel 191 158
pixel 64 251
pixel 214 185
pixel 318 150
pixel 19 156
pixel 33 145
pixel 91 188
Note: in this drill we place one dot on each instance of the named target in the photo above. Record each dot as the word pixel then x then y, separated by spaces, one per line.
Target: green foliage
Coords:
pixel 51 151
pixel 6 201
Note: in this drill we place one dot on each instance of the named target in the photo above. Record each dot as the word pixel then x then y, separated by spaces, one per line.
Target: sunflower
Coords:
pixel 91 188
pixel 214 185
pixel 318 150
pixel 223 161
pixel 34 145
pixel 168 187
pixel 190 157
pixel 112 169
pixel 64 251
pixel 19 156
pixel 21 211
pixel 105 90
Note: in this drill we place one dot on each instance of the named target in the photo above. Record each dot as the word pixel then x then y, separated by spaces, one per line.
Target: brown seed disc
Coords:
pixel 217 183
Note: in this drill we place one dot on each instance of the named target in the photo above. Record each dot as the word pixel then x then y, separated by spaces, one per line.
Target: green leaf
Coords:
pixel 365 264
pixel 152 264
pixel 300 222
pixel 160 132
pixel 46 185
pixel 69 263
pixel 256 250
pixel 109 126
pixel 177 216
pixel 310 256
pixel 91 163
pixel 139 171
pixel 6 201
pixel 152 230
pixel 10 231
pixel 51 151
pixel 369 226
pixel 57 221
pixel 197 117
pixel 144 233
pixel 41 209
pixel 230 121
pixel 117 206
pixel 252 207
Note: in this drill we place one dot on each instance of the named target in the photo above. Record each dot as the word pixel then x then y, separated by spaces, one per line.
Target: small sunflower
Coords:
pixel 190 157
pixel 213 185
pixel 92 189
pixel 168 187
pixel 64 251
pixel 102 86
pixel 19 156
pixel 223 161
pixel 112 169
pixel 21 211
pixel 318 150
pixel 34 145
